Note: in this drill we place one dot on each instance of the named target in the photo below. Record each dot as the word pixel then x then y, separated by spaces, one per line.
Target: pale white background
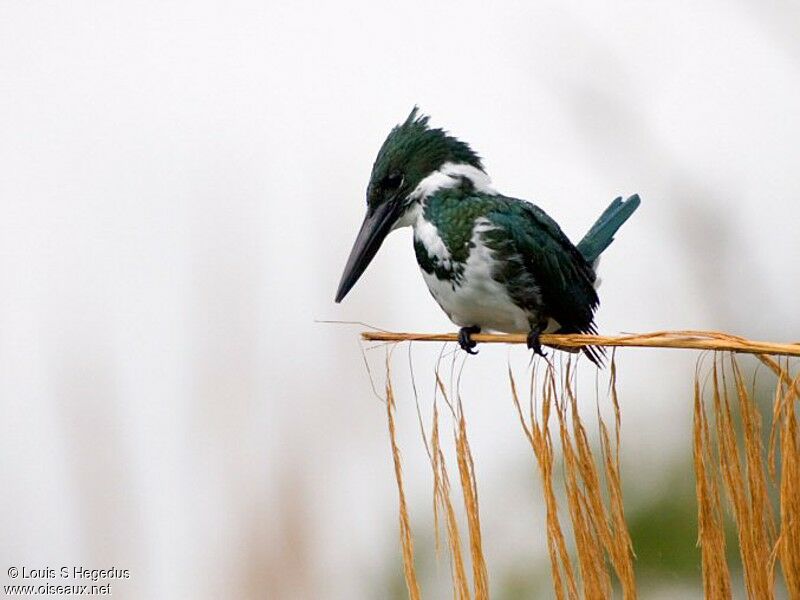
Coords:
pixel 180 183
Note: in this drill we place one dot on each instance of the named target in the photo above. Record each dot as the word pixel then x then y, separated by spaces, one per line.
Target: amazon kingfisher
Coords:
pixel 491 262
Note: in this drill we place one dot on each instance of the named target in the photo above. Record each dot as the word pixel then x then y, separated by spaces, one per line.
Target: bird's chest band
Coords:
pixel 441 267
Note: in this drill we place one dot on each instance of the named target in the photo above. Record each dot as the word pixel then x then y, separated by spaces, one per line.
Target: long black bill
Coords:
pixel 374 230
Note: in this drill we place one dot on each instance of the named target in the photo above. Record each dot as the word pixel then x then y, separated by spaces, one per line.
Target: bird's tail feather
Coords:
pixel 601 234
pixel 596 354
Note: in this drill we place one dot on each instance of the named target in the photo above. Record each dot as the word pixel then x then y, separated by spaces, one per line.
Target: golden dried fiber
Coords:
pixel 689 339
pixel 741 478
pixel 538 434
pixel 598 527
pixel 441 495
pixel 711 531
pixel 469 489
pixel 405 523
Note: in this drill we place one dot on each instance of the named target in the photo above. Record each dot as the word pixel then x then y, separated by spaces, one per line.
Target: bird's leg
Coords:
pixel 465 338
pixel 533 339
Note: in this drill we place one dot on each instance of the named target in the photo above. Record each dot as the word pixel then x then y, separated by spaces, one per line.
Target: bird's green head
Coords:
pixel 412 152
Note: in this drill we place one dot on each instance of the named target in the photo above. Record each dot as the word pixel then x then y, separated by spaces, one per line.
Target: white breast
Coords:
pixel 477 299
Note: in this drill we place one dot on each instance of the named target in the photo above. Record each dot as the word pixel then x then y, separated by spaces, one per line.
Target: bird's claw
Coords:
pixel 534 343
pixel 465 339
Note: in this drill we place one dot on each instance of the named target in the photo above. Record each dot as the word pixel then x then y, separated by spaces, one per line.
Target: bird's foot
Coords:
pixel 534 343
pixel 465 339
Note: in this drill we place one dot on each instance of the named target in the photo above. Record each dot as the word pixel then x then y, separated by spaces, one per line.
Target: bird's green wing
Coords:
pixel 564 279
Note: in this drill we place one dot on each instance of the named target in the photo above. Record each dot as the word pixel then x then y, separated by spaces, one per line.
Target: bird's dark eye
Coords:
pixel 393 180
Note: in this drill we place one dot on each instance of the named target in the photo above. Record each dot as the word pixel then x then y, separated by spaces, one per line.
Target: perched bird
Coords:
pixel 491 262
